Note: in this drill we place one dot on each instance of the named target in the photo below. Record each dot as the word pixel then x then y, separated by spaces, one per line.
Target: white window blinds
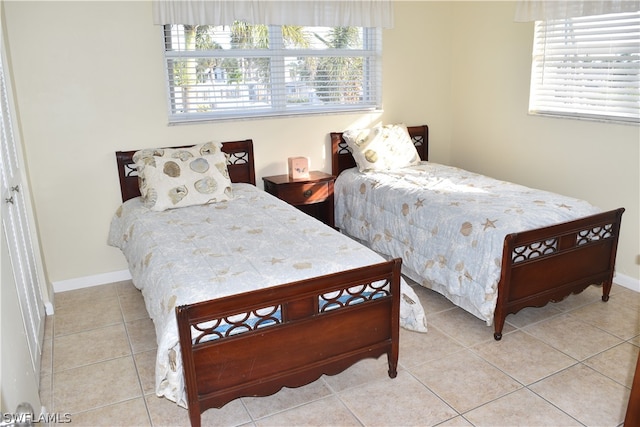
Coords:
pixel 242 70
pixel 587 67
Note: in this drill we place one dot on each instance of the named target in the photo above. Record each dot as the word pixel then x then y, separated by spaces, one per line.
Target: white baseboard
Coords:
pixel 48 308
pixel 627 282
pixel 88 281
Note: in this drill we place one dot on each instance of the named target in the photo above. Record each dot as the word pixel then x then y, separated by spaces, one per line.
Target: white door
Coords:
pixel 15 221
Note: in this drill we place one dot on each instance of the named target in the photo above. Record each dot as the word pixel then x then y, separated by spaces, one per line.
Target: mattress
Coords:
pixel 181 256
pixel 447 224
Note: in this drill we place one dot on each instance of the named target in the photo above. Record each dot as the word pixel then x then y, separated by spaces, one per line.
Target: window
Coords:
pixel 242 70
pixel 587 67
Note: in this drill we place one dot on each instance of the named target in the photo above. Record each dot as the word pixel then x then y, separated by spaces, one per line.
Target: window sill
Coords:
pixel 597 119
pixel 179 121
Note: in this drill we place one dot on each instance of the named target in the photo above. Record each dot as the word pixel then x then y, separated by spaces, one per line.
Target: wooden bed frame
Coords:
pixel 314 334
pixel 546 274
pixel 632 416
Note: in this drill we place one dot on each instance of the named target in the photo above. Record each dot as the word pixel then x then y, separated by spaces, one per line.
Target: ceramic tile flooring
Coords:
pixel 566 364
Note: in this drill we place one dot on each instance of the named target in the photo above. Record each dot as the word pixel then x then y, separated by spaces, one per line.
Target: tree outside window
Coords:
pixel 243 70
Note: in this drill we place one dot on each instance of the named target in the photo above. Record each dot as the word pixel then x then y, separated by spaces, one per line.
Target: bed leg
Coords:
pixel 606 288
pixel 194 417
pixel 393 372
pixel 392 357
pixel 499 324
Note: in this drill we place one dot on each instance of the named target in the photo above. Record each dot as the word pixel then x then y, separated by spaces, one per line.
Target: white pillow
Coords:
pixel 177 177
pixel 382 147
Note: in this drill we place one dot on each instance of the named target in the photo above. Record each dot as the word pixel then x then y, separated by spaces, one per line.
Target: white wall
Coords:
pixel 89 81
pixel 493 134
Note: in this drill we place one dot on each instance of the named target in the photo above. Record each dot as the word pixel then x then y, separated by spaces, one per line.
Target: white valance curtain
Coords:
pixel 324 13
pixel 544 10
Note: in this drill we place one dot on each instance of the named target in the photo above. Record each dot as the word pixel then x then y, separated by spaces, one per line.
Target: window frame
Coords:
pixel 575 96
pixel 371 53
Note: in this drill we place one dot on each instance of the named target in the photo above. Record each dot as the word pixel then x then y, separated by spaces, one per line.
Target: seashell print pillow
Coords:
pixel 382 147
pixel 177 177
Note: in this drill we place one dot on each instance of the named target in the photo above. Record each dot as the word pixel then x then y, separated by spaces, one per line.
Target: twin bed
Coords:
pixel 249 295
pixel 491 247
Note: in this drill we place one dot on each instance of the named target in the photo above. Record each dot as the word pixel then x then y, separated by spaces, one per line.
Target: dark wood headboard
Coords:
pixel 342 159
pixel 240 164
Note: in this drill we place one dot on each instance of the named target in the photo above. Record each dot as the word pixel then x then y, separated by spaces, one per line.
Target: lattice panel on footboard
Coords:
pixel 272 315
pixel 238 323
pixel 353 295
pixel 550 246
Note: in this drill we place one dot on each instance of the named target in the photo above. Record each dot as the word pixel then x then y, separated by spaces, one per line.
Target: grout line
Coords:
pixel 133 357
pixel 333 392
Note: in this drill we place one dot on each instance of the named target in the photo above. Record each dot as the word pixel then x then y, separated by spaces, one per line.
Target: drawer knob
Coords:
pixel 307 193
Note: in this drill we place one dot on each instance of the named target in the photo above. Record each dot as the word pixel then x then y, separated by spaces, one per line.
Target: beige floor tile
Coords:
pixel 520 408
pixel 124 287
pixel 586 395
pixel 286 398
pixel 474 331
pixel 458 421
pixel 402 401
pixel 46 392
pixel 132 305
pixel 93 386
pixel 531 315
pixel 84 348
pixel 615 288
pixel 142 335
pixel 572 336
pixel 364 371
pixel 417 348
pixel 46 361
pixel 523 357
pixel 618 363
pixel 588 296
pixel 628 298
pixel 328 411
pixel 89 314
pixel 80 296
pixel 129 413
pixel 431 301
pixel 164 412
pixel 112 390
pixel 48 327
pixel 146 367
pixel 612 316
pixel 464 380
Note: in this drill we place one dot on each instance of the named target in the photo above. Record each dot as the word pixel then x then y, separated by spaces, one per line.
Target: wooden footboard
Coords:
pixel 548 264
pixel 255 343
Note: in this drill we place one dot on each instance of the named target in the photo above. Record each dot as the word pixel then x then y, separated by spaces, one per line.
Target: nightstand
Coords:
pixel 313 195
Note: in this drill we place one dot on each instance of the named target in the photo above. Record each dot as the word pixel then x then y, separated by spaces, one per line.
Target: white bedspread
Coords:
pixel 191 254
pixel 447 224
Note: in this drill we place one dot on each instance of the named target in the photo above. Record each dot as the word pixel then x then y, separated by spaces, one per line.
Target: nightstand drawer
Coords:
pixel 313 196
pixel 300 194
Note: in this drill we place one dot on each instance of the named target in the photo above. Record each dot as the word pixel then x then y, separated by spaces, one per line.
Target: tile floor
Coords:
pixel 567 364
